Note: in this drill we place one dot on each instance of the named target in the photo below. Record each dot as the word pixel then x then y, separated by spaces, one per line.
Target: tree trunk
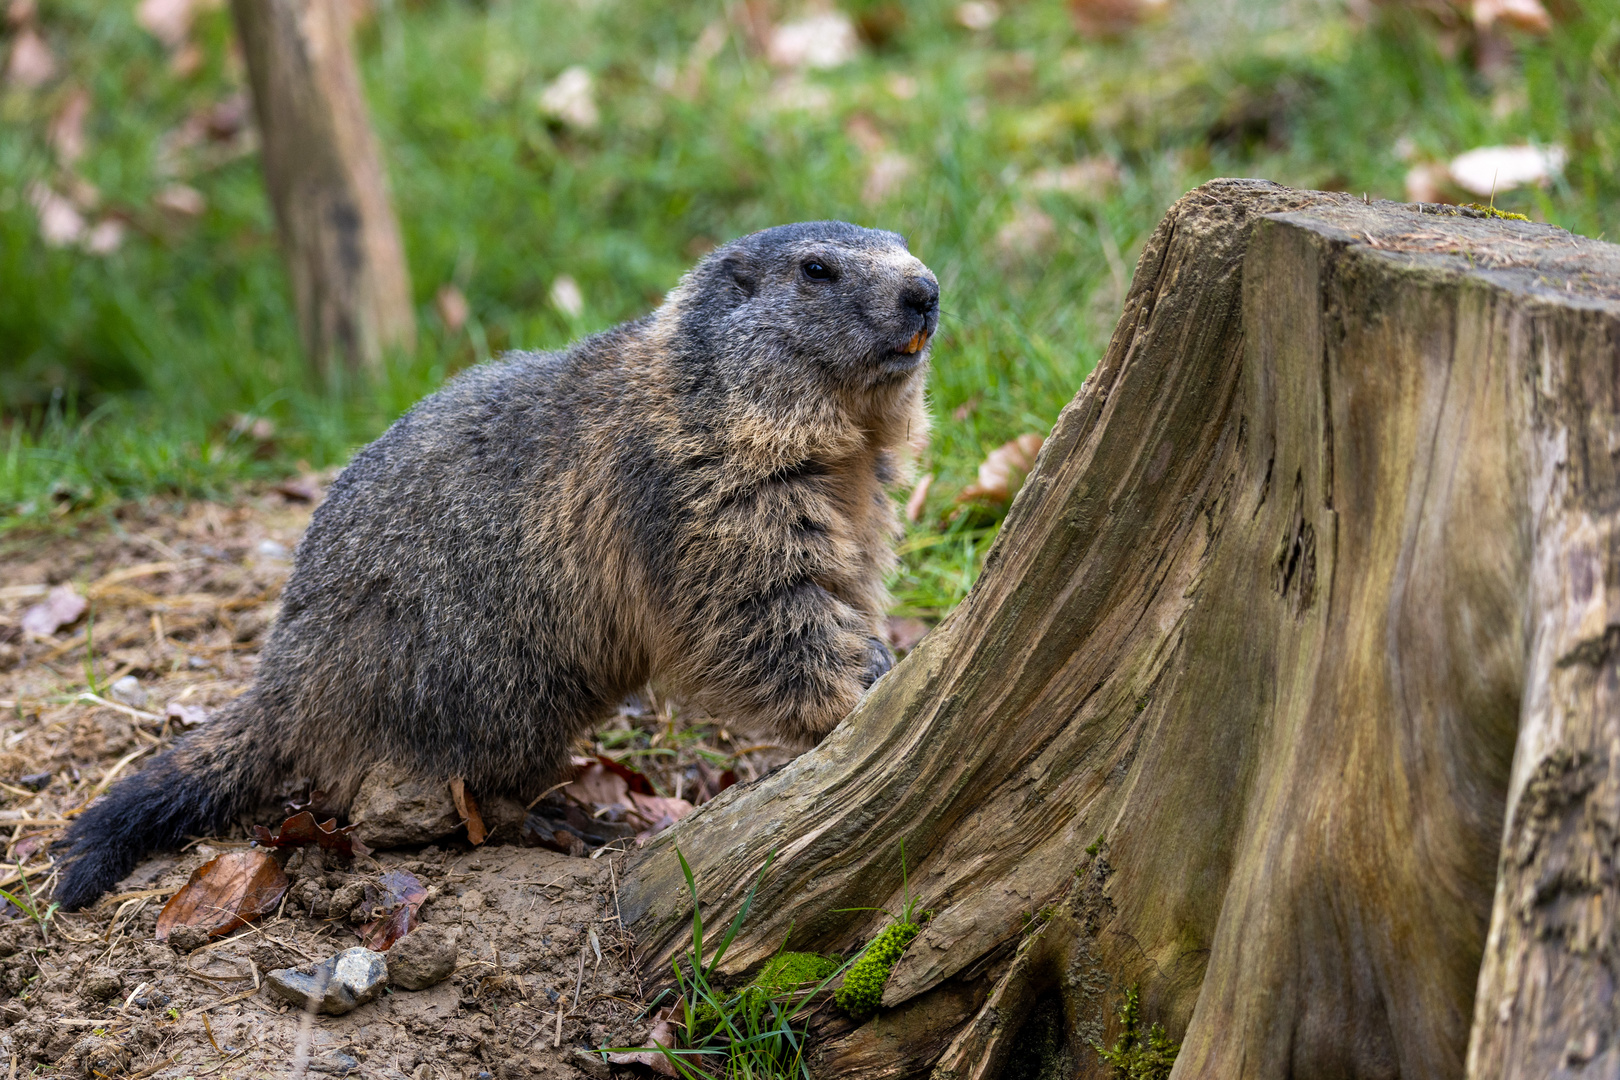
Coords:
pixel 1290 678
pixel 325 175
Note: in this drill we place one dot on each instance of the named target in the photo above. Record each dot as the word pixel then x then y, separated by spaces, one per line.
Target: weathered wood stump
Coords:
pixel 1288 693
pixel 324 171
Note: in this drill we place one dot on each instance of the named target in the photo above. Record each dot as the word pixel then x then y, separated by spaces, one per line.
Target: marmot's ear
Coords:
pixel 741 274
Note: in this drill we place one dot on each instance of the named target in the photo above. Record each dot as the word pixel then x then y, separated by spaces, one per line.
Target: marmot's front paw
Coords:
pixel 878 662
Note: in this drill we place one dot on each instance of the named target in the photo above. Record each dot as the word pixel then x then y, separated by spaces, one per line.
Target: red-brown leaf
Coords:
pixel 467 807
pixel 224 893
pixel 399 895
pixel 301 829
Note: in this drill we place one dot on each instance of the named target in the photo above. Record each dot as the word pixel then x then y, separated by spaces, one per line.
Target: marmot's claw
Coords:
pixel 878 662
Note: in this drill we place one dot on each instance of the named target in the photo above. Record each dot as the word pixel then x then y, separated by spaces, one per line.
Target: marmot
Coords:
pixel 697 496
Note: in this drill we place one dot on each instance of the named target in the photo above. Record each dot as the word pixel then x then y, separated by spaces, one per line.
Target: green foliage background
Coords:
pixel 120 375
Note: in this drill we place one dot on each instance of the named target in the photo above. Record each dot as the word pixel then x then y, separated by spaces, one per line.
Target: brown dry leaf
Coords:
pixel 225 893
pixel 1527 15
pixel 299 489
pixel 467 807
pixel 31 64
pixel 904 632
pixel 167 20
pixel 1108 18
pixel 662 1034
pixel 453 307
pixel 66 131
pixel 395 901
pixel 61 607
pixel 919 496
pixel 1003 470
pixel 301 829
pixel 659 812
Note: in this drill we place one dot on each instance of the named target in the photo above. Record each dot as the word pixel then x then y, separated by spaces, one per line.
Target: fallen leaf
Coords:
pixel 1427 183
pixel 299 489
pixel 823 40
pixel 61 607
pixel 1491 170
pixel 60 222
pixel 467 807
pixel 1527 15
pixel 1028 232
pixel 31 63
pixel 106 238
pixel 181 199
pixel 662 1034
pixel 885 176
pixel 301 829
pixel 904 633
pixel 658 812
pixel 1108 18
pixel 394 901
pixel 453 307
pixel 66 131
pixel 571 98
pixel 225 893
pixel 187 716
pixel 566 296
pixel 919 496
pixel 977 14
pixel 167 20
pixel 1095 176
pixel 1003 470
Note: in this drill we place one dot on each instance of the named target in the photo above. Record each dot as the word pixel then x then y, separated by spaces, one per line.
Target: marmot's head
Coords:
pixel 827 298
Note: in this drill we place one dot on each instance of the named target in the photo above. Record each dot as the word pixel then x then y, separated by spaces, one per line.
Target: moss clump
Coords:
pixel 863 983
pixel 1491 211
pixel 792 971
pixel 1133 1056
pixel 785 973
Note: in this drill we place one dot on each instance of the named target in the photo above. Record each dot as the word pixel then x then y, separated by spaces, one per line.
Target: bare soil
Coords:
pixel 180 598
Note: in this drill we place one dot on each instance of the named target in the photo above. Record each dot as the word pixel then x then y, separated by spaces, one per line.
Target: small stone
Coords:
pixel 345 899
pixel 336 985
pixel 184 939
pixel 423 957
pixel 394 808
pixel 128 691
pixel 101 985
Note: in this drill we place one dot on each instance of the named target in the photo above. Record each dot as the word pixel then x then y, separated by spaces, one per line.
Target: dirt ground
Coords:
pixel 179 598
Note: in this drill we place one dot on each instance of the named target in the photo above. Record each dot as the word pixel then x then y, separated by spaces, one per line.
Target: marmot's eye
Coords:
pixel 817 271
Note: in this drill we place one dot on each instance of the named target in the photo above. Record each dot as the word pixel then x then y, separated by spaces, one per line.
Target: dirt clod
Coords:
pixel 184 939
pixel 394 808
pixel 101 985
pixel 425 956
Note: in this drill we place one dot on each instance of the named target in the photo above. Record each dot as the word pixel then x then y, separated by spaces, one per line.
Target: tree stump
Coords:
pixel 1288 693
pixel 324 172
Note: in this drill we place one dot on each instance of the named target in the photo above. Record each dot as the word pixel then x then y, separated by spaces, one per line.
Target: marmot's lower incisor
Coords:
pixel 696 497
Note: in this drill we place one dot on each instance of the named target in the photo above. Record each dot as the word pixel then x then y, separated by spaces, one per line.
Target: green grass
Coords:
pixel 120 377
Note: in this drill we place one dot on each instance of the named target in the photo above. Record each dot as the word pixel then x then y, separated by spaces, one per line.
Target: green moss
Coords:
pixel 1491 211
pixel 792 971
pixel 1135 1057
pixel 863 983
pixel 786 973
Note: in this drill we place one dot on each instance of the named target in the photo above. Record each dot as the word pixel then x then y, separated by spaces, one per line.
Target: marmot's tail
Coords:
pixel 193 788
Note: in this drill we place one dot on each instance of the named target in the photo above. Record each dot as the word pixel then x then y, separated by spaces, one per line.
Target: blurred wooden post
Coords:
pixel 324 171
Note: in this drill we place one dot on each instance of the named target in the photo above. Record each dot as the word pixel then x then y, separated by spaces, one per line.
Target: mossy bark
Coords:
pixel 1309 610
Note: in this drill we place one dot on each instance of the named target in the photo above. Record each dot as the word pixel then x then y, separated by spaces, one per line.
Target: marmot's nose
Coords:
pixel 920 295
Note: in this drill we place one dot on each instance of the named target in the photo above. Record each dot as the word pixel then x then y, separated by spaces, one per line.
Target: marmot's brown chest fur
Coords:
pixel 698 497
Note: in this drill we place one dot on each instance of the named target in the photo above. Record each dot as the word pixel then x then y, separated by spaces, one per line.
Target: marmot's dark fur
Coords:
pixel 696 497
